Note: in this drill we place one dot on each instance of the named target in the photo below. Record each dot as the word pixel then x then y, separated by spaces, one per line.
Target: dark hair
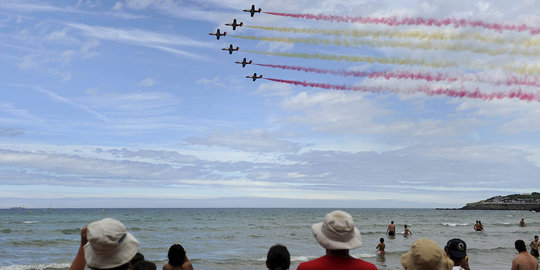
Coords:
pixel 382 240
pixel 144 265
pixel 137 258
pixel 405 226
pixel 121 267
pixel 278 258
pixel 177 255
pixel 520 246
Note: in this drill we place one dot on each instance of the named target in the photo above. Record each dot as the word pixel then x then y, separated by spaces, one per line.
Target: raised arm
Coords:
pixel 80 262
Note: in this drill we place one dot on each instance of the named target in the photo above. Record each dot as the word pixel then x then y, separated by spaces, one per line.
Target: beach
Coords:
pixel 239 238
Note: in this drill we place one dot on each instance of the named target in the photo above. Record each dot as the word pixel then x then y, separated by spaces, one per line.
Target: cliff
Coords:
pixel 510 202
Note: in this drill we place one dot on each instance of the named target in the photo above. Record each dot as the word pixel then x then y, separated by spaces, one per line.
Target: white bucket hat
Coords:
pixel 337 231
pixel 425 254
pixel 109 244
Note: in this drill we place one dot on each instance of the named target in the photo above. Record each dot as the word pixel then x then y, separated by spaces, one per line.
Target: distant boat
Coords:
pixel 18 207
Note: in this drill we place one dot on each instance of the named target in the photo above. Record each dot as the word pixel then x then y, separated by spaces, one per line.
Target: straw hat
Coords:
pixel 109 244
pixel 425 254
pixel 337 231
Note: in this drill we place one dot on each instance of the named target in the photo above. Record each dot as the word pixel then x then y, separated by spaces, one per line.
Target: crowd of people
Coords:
pixel 106 244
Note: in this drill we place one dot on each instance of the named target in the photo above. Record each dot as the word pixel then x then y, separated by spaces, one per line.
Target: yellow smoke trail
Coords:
pixel 366 59
pixel 425 45
pixel 522 69
pixel 527 42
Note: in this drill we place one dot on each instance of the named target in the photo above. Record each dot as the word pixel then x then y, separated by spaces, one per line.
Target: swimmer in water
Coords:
pixel 381 246
pixel 406 231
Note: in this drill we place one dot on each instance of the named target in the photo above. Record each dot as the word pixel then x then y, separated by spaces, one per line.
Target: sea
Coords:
pixel 239 238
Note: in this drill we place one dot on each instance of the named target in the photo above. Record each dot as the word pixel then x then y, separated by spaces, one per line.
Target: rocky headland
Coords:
pixel 526 201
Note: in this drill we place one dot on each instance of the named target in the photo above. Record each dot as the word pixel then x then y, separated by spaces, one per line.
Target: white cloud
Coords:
pixel 147 82
pixel 251 141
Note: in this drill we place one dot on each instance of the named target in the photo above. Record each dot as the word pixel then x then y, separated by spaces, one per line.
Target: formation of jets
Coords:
pixel 252 10
pixel 234 24
pixel 231 48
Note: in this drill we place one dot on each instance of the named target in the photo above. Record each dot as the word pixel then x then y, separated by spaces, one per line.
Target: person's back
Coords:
pixel 391 230
pixel 524 260
pixel 178 259
pixel 327 262
pixel 337 235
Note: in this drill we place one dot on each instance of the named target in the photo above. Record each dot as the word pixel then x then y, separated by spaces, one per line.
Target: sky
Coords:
pixel 131 103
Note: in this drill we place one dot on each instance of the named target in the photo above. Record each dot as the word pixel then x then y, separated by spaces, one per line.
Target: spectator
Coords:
pixel 426 254
pixel 105 244
pixel 337 235
pixel 278 258
pixel 178 259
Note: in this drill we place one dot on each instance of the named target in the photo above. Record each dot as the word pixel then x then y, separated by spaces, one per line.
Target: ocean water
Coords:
pixel 240 238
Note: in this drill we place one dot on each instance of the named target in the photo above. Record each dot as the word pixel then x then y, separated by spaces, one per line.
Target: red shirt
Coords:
pixel 330 262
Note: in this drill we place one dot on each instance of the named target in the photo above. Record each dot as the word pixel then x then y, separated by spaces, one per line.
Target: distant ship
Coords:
pixel 18 207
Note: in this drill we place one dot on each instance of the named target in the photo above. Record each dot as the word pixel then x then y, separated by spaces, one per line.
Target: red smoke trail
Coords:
pixel 440 91
pixel 396 21
pixel 401 75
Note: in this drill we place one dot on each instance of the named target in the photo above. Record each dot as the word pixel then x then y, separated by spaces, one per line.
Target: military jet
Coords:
pixel 244 62
pixel 254 76
pixel 252 10
pixel 234 24
pixel 231 49
pixel 218 34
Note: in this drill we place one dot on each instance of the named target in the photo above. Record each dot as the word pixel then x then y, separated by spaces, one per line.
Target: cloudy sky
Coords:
pixel 131 103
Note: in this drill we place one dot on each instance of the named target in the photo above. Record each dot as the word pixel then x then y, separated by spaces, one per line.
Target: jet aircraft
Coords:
pixel 234 24
pixel 252 10
pixel 254 76
pixel 244 62
pixel 218 34
pixel 231 49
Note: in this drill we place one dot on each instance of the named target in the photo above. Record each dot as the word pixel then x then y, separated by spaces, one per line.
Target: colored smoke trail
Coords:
pixel 418 21
pixel 366 59
pixel 528 69
pixel 530 42
pixel 438 91
pixel 424 45
pixel 410 75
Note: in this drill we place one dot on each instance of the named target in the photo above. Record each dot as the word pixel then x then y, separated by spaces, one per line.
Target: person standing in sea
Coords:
pixel 391 230
pixel 534 246
pixel 522 223
pixel 337 234
pixel 524 260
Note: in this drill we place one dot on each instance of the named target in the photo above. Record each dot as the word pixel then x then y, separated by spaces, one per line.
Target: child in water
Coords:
pixel 381 246
pixel 406 232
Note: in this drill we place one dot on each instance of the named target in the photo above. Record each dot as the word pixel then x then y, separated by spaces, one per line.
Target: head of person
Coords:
pixel 176 255
pixel 137 258
pixel 144 265
pixel 520 246
pixel 536 237
pixel 425 254
pixel 381 240
pixel 456 249
pixel 405 226
pixel 392 222
pixel 337 232
pixel 109 246
pixel 278 258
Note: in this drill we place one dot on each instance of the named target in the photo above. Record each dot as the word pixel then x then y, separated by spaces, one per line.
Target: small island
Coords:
pixel 525 201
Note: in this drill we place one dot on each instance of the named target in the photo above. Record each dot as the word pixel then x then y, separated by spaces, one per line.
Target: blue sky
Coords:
pixel 132 104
